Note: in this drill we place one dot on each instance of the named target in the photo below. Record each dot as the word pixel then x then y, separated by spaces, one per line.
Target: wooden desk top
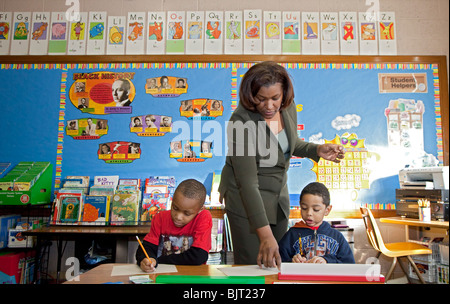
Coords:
pixel 102 274
pixel 414 222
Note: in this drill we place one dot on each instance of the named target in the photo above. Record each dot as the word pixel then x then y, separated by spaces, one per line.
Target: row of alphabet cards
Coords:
pixel 199 32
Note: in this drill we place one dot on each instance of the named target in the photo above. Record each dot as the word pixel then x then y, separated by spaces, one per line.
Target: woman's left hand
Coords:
pixel 331 152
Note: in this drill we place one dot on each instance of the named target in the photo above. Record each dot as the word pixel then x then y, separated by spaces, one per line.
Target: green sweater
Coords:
pixel 253 180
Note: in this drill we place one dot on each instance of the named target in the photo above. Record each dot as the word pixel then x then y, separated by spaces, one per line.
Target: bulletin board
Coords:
pixel 388 112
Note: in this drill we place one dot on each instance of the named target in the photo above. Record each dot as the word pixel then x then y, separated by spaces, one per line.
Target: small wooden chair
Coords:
pixel 392 250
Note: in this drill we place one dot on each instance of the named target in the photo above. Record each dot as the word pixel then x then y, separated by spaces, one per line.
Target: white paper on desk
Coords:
pixel 131 269
pixel 250 270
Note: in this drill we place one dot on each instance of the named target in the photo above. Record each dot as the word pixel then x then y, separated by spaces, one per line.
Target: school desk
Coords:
pixel 414 222
pixel 62 234
pixel 102 274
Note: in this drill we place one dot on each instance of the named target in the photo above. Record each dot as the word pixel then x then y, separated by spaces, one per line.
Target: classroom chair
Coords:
pixel 392 250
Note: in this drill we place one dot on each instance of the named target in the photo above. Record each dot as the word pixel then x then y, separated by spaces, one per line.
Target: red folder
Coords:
pixel 337 278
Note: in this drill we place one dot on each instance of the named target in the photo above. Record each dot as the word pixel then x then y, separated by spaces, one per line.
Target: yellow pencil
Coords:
pixel 143 249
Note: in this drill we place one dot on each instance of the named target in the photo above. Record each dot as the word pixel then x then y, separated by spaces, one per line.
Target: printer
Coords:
pixel 424 178
pixel 429 183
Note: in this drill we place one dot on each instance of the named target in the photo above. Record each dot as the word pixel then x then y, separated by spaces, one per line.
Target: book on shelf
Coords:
pixel 69 204
pixel 168 181
pixel 125 209
pixel 96 210
pixel 110 180
pixel 217 235
pixel 153 204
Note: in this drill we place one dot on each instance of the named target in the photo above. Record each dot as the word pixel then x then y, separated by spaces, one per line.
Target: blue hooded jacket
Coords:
pixel 323 241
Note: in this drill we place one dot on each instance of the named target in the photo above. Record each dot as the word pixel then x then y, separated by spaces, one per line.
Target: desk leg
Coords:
pixel 60 250
pixel 121 250
pixel 407 233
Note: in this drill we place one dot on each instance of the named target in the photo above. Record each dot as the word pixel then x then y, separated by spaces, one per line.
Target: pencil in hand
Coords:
pixel 147 267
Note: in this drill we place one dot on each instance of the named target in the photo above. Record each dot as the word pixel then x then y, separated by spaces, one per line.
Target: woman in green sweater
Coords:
pixel 262 137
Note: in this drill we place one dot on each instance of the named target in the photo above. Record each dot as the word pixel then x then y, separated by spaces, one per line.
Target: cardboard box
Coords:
pixel 7 222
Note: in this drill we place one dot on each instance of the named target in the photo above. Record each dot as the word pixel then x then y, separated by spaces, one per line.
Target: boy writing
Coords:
pixel 312 240
pixel 181 235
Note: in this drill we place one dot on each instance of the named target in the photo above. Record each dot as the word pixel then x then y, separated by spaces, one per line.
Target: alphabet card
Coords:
pixel 214 32
pixel 135 33
pixel 156 38
pixel 388 37
pixel 329 33
pixel 272 32
pixel 21 33
pixel 5 30
pixel 39 33
pixel 115 44
pixel 291 33
pixel 348 27
pixel 57 44
pixel 175 32
pixel 252 31
pixel 368 43
pixel 77 35
pixel 310 33
pixel 233 32
pixel 194 37
pixel 97 33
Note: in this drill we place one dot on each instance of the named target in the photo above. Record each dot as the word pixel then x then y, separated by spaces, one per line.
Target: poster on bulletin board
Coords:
pixel 136 120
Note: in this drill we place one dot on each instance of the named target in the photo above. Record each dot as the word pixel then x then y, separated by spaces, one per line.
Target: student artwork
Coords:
pixel 201 108
pixel 214 32
pixel 405 124
pixel 87 128
pixel 96 33
pixel 233 32
pixel 119 152
pixel 151 125
pixel 310 33
pixel 190 150
pixel 352 172
pixel 5 30
pixel 166 86
pixel 20 33
pixel 253 31
pixel 102 92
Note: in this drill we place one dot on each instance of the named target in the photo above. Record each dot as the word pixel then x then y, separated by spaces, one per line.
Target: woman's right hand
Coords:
pixel 268 255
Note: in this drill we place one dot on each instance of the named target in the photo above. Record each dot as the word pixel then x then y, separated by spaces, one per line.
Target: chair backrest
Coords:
pixel 372 230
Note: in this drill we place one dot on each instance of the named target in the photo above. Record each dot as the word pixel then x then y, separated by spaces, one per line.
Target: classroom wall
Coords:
pixel 422 25
pixel 422 29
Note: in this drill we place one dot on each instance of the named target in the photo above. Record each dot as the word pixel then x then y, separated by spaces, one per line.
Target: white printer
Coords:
pixel 424 178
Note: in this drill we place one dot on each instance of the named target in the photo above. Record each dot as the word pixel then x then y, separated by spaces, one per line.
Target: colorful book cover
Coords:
pixel 106 180
pixel 78 32
pixel 76 181
pixel 96 35
pixel 272 32
pixel 156 37
pixel 154 203
pixel 5 32
pixel 125 209
pixel 135 37
pixel 291 33
pixel 214 32
pixel 115 40
pixel 102 190
pixel 252 31
pixel 95 210
pixel 39 33
pixel 176 28
pixel 168 181
pixel 70 206
pixel 20 33
pixel 195 21
pixel 59 28
pixel 348 28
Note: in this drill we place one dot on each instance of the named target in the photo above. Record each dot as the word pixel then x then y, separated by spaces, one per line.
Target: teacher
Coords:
pixel 262 137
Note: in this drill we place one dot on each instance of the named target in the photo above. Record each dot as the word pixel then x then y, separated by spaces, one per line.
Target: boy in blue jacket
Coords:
pixel 312 240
